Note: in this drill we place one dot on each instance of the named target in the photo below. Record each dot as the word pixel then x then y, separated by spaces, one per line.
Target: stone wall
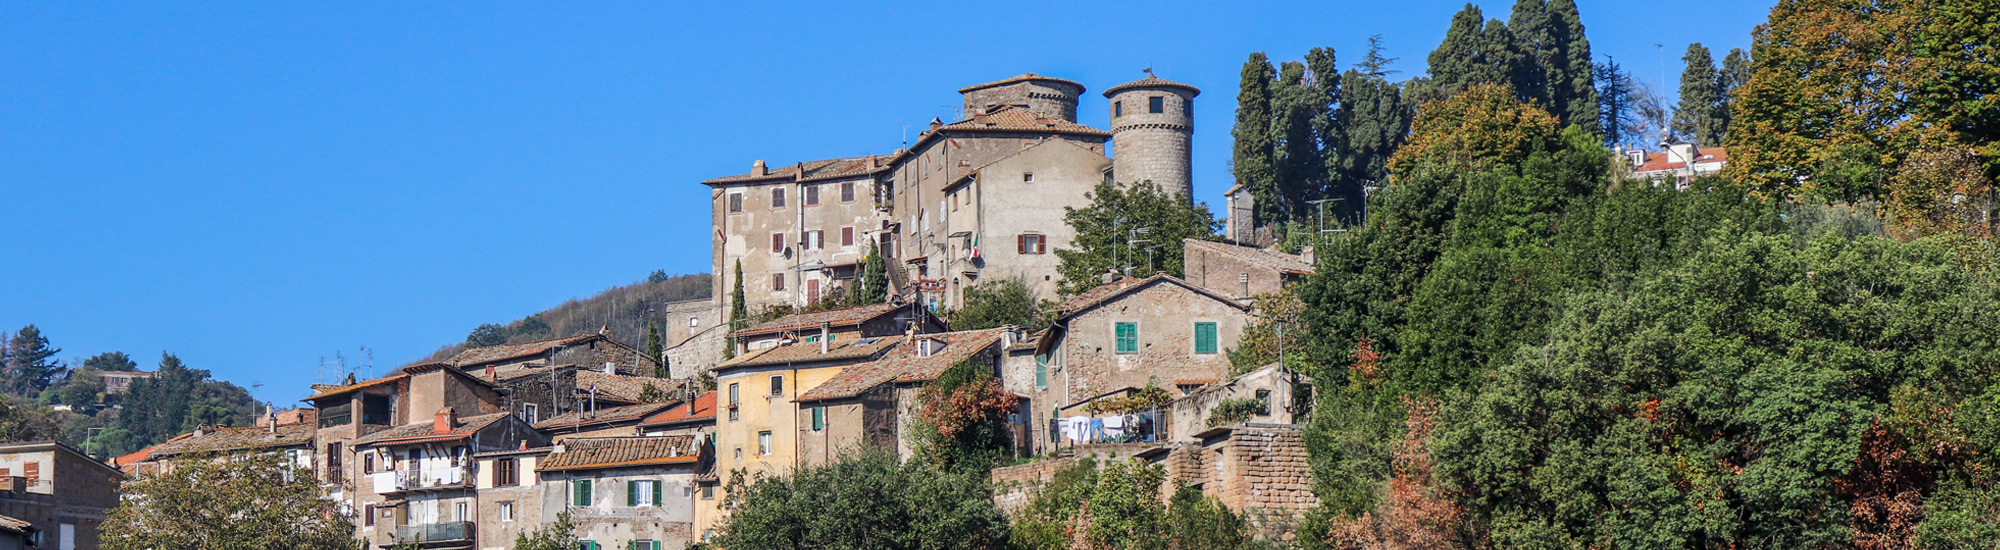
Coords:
pixel 697 354
pixel 1258 470
pixel 1153 146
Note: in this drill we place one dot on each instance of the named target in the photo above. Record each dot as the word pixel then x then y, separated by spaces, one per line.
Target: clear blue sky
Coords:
pixel 253 186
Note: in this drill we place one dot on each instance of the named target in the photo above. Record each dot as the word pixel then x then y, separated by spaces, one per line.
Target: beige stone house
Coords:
pixel 869 404
pixel 416 482
pixel 512 500
pixel 55 496
pixel 1241 272
pixel 869 321
pixel 625 492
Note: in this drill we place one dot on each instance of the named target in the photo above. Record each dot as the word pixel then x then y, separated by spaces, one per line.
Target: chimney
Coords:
pixel 758 169
pixel 271 418
pixel 964 167
pixel 524 445
pixel 490 375
pixel 823 344
pixel 610 367
pixel 979 117
pixel 444 421
pixel 936 123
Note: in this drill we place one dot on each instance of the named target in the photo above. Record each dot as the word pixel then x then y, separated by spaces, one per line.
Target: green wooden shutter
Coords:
pixel 1204 337
pixel 819 418
pixel 576 496
pixel 631 493
pixel 1041 371
pixel 657 494
pixel 1128 338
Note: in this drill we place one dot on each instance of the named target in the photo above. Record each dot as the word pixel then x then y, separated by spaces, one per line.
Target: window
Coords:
pixel 506 511
pixel 812 290
pixel 1030 243
pixel 368 515
pixel 846 236
pixel 1128 337
pixel 464 511
pixel 1027 177
pixel 847 192
pixel 812 195
pixel 645 545
pixel 506 473
pixel 777 243
pixel 579 492
pixel 708 492
pixel 732 405
pixel 815 240
pixel 778 197
pixel 777 386
pixel 777 282
pixel 368 463
pixel 332 465
pixel 1041 371
pixel 375 409
pixel 819 418
pixel 694 321
pixel 587 545
pixel 1204 338
pixel 764 442
pixel 1117 109
pixel 735 202
pixel 531 412
pixel 335 416
pixel 642 492
pixel 1156 104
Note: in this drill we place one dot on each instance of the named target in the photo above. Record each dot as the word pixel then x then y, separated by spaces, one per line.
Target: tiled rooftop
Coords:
pixel 829 169
pixel 703 407
pixel 425 430
pixel 238 439
pixel 326 391
pixel 837 318
pixel 613 452
pixel 1703 155
pixel 1285 263
pixel 1024 77
pixel 610 414
pixel 1150 82
pixel 903 364
pixel 503 352
pixel 1016 119
pixel 621 387
pixel 851 349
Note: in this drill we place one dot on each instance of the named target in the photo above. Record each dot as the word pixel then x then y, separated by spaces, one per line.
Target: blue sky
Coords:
pixel 254 186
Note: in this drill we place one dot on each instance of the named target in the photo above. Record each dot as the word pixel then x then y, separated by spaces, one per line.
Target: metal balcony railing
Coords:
pixel 417 480
pixel 434 532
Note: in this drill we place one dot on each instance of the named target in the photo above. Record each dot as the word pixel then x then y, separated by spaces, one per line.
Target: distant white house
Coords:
pixel 1679 163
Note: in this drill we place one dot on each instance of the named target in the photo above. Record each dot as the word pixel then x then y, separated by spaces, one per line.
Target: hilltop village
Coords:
pixel 497 441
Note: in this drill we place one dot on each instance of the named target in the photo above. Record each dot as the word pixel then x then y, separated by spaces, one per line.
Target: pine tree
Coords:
pixel 1697 117
pixel 1252 158
pixel 1301 170
pixel 1371 121
pixel 29 369
pixel 1618 105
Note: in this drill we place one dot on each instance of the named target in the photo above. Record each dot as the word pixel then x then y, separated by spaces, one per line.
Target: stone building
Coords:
pixel 869 321
pixel 695 331
pixel 1152 126
pixel 1260 471
pixel 56 496
pixel 415 483
pixel 1241 272
pixel 512 500
pixel 620 421
pixel 1282 395
pixel 869 404
pixel 1159 331
pixel 590 351
pixel 1675 164
pixel 624 492
pixel 793 242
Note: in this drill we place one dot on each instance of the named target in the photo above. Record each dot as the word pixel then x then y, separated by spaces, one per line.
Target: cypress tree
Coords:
pixel 1697 116
pixel 1301 170
pixel 1735 71
pixel 1372 120
pixel 1251 159
pixel 739 311
pixel 1536 40
pixel 874 280
pixel 1456 63
pixel 1502 52
pixel 1324 74
pixel 656 348
pixel 1571 78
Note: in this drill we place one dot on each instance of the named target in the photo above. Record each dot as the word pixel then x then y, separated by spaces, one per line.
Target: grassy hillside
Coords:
pixel 626 309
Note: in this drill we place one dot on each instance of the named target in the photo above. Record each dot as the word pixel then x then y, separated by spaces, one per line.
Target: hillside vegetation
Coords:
pixel 625 309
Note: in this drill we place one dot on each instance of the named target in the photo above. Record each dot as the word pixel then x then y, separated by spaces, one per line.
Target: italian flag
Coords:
pixel 975 246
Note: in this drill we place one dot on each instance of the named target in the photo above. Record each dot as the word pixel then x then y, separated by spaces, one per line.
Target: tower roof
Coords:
pixel 1151 82
pixel 1025 77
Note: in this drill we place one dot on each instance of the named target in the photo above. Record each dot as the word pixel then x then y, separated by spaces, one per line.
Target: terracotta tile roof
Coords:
pixel 337 390
pixel 843 317
pixel 614 452
pixel 1007 118
pixel 818 170
pixel 703 407
pixel 602 416
pixel 15 525
pixel 130 462
pixel 1284 263
pixel 852 349
pixel 904 365
pixel 1150 82
pixel 424 431
pixel 1105 293
pixel 1703 155
pixel 1024 77
pixel 239 439
pixel 503 352
pixel 621 387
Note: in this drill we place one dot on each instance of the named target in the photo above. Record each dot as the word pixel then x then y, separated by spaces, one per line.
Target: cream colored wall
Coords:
pixel 757 411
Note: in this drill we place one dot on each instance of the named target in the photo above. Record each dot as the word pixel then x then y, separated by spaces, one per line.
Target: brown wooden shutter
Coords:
pixel 32 471
pixel 1021 244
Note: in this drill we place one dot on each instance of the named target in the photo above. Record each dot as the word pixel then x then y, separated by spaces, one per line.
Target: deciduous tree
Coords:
pixel 248 503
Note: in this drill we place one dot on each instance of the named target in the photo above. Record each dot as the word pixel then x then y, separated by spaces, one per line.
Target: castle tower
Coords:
pixel 1152 124
pixel 1051 97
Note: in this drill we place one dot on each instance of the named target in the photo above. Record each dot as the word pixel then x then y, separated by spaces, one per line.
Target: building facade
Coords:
pixel 60 494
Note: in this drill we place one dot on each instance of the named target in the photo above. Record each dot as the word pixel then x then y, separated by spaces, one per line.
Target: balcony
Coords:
pixel 421 535
pixel 399 481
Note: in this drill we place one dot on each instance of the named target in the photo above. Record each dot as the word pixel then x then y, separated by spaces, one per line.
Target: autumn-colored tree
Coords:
pixel 1415 514
pixel 961 416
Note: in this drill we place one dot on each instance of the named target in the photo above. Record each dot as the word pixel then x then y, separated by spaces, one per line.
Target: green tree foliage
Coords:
pixel 1253 158
pixel 995 303
pixel 253 503
pixel 1558 74
pixel 1120 508
pixel 1478 52
pixel 874 284
pixel 739 306
pixel 20 420
pixel 1620 99
pixel 865 501
pixel 656 349
pixel 1265 338
pixel 657 276
pixel 31 363
pixel 1104 233
pixel 178 400
pixel 488 334
pixel 560 535
pixel 111 361
pixel 1700 116
pixel 1299 105
pixel 1369 123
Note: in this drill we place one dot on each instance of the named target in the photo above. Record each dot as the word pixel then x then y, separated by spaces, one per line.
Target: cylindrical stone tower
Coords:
pixel 1050 97
pixel 1152 124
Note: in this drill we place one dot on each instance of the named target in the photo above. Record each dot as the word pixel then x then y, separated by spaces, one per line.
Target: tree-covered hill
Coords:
pixel 626 309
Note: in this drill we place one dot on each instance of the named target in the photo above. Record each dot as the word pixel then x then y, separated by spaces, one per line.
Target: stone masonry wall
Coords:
pixel 1153 146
